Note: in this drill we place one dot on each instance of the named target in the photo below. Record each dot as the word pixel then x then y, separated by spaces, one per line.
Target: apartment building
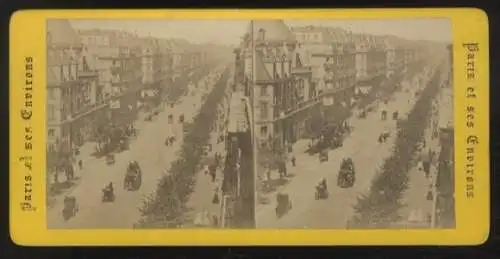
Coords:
pixel 73 103
pixel 116 56
pixel 281 94
pixel 371 62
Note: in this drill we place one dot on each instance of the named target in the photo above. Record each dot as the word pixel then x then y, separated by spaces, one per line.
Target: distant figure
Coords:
pixel 213 170
pixel 293 161
pixel 80 164
pixel 215 198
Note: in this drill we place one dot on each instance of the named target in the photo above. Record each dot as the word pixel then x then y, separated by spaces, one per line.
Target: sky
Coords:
pixel 229 32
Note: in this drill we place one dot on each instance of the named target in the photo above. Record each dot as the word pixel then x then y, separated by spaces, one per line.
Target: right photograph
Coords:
pixel 352 122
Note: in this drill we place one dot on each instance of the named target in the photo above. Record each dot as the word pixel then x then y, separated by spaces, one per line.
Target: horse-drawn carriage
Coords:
pixel 316 145
pixel 362 114
pixel 323 155
pixel 347 174
pixel 284 204
pixel 321 190
pixel 110 159
pixel 395 115
pixel 383 115
pixel 70 207
pixel 384 135
pixel 108 193
pixel 133 177
pixel 123 144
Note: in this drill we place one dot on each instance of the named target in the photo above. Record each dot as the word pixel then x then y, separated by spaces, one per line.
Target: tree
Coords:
pixel 316 122
pixel 166 207
pixel 380 206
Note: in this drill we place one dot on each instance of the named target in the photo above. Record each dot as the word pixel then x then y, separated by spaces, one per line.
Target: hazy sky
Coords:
pixel 230 31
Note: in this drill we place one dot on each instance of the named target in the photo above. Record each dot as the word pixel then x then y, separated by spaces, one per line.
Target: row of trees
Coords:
pixel 166 207
pixel 379 208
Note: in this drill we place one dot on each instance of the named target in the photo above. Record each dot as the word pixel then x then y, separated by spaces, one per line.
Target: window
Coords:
pixel 51 132
pixel 85 64
pixel 298 62
pixel 263 131
pixel 52 148
pixel 264 110
pixel 62 73
pixel 263 91
pixel 51 112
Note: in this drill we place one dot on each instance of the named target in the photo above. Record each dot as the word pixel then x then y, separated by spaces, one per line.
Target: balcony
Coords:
pixel 300 106
pixel 87 109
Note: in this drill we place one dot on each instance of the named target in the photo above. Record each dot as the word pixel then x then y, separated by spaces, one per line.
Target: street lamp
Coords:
pixel 282 120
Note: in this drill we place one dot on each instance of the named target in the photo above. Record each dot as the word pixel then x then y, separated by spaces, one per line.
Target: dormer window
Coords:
pixel 85 64
pixel 298 62
pixel 262 34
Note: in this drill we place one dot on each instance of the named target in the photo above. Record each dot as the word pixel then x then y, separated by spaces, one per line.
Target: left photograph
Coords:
pixel 145 127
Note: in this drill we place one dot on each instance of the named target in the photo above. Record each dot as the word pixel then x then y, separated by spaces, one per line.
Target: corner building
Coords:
pixel 280 96
pixel 72 96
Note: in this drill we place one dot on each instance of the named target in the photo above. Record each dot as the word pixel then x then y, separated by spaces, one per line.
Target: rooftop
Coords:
pixel 61 33
pixel 275 30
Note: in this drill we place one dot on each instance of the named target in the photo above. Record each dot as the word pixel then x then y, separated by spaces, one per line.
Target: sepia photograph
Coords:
pixel 279 124
pixel 353 123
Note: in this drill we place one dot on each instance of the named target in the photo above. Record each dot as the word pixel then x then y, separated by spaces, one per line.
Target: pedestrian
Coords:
pixel 215 198
pixel 293 161
pixel 430 194
pixel 80 164
pixel 283 165
pixel 213 174
pixel 426 168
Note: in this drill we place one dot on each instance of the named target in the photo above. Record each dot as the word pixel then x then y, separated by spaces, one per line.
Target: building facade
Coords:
pixel 72 100
pixel 117 58
pixel 340 79
pixel 390 57
pixel 152 72
pixel 371 63
pixel 282 81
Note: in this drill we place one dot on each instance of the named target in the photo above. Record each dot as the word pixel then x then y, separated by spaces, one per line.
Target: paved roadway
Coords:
pixel 153 156
pixel 368 155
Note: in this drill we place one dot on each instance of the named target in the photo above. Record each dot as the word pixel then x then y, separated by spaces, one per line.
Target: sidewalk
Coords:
pixel 419 209
pixel 86 155
pixel 202 197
